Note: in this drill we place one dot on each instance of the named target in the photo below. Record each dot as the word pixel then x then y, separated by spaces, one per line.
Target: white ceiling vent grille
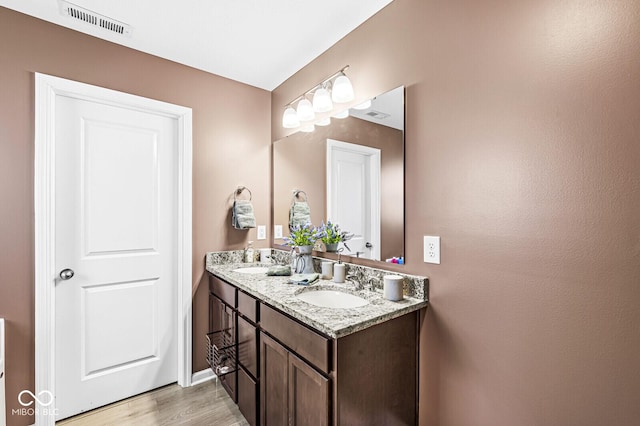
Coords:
pixel 93 18
pixel 377 114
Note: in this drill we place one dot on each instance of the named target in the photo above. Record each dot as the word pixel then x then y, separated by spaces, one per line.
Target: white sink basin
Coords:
pixel 252 270
pixel 332 299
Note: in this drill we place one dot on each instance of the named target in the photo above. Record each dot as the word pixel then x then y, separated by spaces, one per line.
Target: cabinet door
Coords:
pixel 221 316
pixel 247 397
pixel 215 313
pixel 308 394
pixel 273 383
pixel 247 346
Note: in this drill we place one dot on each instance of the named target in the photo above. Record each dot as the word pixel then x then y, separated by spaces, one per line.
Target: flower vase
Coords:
pixel 304 261
pixel 305 249
pixel 331 248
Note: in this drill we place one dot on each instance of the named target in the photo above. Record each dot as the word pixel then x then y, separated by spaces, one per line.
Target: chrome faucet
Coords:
pixel 372 283
pixel 355 279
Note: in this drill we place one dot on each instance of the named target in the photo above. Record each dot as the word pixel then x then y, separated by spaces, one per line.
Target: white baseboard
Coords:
pixel 202 376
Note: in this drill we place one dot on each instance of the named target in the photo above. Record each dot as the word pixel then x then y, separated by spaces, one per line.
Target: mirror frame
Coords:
pixel 344 255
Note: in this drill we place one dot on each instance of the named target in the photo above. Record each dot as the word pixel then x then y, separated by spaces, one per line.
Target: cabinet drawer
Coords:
pixel 248 306
pixel 226 292
pixel 308 344
pixel 248 346
pixel 247 397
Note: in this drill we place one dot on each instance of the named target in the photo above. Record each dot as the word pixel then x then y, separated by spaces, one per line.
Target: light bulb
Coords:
pixel 305 110
pixel 322 100
pixel 290 118
pixel 342 90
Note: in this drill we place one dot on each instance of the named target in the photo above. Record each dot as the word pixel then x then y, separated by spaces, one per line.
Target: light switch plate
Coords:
pixel 277 231
pixel 262 232
pixel 431 249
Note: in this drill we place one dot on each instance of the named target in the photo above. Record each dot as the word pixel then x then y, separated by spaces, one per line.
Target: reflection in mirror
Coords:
pixel 352 172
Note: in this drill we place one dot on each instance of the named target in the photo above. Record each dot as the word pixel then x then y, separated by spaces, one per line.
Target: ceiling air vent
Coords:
pixel 95 19
pixel 377 114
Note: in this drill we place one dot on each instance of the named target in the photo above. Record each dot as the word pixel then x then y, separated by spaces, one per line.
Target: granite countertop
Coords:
pixel 333 322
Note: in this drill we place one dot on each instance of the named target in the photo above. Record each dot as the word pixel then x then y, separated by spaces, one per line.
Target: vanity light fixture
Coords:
pixel 305 110
pixel 342 90
pixel 322 100
pixel 336 88
pixel 290 118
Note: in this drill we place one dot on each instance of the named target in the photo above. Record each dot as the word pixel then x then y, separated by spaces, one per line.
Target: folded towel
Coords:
pixel 299 214
pixel 304 279
pixel 279 270
pixel 242 216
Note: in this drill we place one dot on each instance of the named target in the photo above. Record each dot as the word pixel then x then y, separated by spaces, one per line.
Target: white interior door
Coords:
pixel 115 228
pixel 353 195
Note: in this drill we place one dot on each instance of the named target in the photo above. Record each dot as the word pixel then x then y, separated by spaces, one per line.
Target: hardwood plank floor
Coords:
pixel 206 404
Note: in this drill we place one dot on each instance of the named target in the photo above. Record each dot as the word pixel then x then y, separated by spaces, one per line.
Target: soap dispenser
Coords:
pixel 249 256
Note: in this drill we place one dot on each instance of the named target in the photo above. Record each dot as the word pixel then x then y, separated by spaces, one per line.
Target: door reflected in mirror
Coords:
pixel 352 172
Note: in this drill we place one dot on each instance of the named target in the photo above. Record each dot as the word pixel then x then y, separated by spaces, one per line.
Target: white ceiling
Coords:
pixel 257 42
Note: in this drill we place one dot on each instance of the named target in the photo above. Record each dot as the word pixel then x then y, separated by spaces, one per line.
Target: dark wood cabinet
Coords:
pixel 222 328
pixel 248 346
pixel 223 290
pixel 308 394
pixel 302 340
pixel 377 370
pixel 221 316
pixel 248 397
pixel 274 369
pixel 287 373
pixel 292 392
pixel 248 307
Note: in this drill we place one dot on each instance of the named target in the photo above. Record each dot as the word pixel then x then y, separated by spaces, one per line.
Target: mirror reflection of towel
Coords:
pixel 242 216
pixel 299 214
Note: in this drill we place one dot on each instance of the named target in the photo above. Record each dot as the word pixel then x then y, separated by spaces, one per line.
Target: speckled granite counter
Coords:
pixel 334 322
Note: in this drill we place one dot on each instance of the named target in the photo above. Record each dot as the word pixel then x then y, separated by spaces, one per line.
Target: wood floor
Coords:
pixel 206 404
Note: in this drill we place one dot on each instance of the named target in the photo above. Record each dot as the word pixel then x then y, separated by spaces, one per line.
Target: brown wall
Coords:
pixel 299 162
pixel 228 150
pixel 523 154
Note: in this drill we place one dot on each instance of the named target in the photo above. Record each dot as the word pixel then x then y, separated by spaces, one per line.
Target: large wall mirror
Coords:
pixel 352 172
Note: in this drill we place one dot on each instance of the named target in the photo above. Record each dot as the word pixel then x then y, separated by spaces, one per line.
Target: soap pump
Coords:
pixel 339 271
pixel 249 256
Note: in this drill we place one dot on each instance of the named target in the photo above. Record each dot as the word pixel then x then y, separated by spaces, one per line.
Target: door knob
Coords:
pixel 66 274
pixel 368 245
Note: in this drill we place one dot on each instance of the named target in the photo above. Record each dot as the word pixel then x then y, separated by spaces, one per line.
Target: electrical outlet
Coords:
pixel 262 232
pixel 432 249
pixel 277 232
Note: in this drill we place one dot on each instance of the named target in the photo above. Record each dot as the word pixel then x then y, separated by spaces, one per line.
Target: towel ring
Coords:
pixel 297 192
pixel 239 191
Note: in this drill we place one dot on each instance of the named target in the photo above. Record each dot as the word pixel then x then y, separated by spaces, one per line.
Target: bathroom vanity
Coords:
pixel 286 362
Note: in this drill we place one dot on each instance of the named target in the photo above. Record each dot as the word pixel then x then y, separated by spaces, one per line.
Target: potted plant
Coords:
pixel 332 236
pixel 303 237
